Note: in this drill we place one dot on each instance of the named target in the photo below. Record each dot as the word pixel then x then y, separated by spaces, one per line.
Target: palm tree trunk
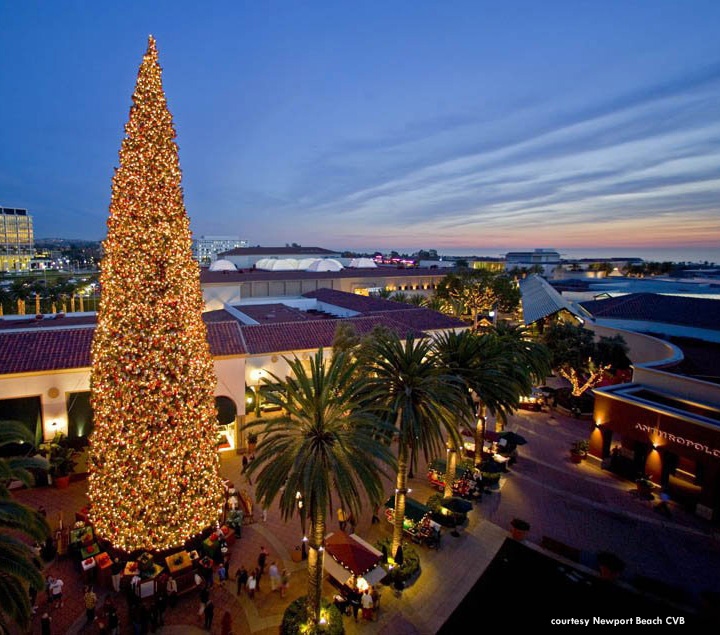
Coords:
pixel 480 433
pixel 400 492
pixel 315 565
pixel 450 470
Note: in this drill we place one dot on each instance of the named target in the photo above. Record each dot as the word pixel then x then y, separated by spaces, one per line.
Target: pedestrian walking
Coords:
pixel 45 624
pixel 172 592
pixel 242 578
pixel 209 613
pixel 90 603
pixel 252 584
pixel 56 591
pixel 355 603
pixel 367 605
pixel 113 621
pixel 342 518
pixel 284 582
pixel 49 581
pixel 262 559
pixel 274 574
pixel 116 571
pixel 375 516
pixel 222 573
pixel 204 599
pixel 161 604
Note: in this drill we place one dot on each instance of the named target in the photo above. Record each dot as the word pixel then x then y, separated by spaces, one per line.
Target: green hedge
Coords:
pixel 409 567
pixel 295 619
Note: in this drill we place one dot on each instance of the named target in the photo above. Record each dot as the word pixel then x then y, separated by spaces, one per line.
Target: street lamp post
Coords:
pixel 301 511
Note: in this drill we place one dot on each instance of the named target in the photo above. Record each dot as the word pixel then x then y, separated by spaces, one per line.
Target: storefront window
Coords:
pixel 26 410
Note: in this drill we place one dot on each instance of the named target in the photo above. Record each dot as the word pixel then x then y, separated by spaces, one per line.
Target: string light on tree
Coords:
pixel 154 472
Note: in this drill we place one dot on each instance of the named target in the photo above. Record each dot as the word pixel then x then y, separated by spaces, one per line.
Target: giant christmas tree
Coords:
pixel 154 472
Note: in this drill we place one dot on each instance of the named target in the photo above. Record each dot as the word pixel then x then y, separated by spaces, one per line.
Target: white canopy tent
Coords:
pixel 327 264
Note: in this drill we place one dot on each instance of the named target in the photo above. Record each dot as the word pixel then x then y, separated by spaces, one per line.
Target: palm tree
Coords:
pixel 531 355
pixel 400 296
pixel 19 567
pixel 416 299
pixel 420 398
pixel 326 447
pixel 17 468
pixel 435 303
pixel 487 377
pixel 383 293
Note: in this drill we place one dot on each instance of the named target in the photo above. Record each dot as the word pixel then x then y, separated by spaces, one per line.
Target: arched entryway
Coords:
pixel 226 420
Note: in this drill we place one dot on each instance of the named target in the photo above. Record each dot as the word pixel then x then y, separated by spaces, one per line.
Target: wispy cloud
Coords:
pixel 595 175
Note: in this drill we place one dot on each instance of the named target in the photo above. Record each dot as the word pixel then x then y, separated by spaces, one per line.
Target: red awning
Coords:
pixel 350 553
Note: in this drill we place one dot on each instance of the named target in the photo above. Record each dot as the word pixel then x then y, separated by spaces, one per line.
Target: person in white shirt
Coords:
pixel 56 591
pixel 251 585
pixel 274 574
pixel 367 604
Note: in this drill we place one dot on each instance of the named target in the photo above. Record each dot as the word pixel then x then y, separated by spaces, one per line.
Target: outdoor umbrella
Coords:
pixel 456 504
pixel 492 466
pixel 513 438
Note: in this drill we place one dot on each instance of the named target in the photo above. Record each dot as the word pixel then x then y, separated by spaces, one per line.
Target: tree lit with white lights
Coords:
pixel 154 471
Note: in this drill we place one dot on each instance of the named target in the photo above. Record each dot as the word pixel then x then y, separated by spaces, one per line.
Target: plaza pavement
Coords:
pixel 580 505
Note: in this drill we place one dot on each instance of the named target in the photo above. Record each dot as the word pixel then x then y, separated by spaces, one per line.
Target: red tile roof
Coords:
pixel 225 338
pixel 354 301
pixel 273 312
pixel 424 319
pixel 54 349
pixel 45 350
pixel 279 338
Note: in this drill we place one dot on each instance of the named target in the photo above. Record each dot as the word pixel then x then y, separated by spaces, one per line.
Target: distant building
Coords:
pixel 207 248
pixel 244 257
pixel 229 287
pixel 488 264
pixel 547 259
pixel 16 239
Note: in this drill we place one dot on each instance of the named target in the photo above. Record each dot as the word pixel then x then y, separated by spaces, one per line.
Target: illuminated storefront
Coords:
pixel 674 440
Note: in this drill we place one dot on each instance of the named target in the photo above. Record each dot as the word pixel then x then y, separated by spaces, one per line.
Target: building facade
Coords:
pixel 546 259
pixel 228 287
pixel 45 364
pixel 16 239
pixel 207 248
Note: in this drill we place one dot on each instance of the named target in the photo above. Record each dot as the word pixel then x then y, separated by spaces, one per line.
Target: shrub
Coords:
pixel 295 618
pixel 405 571
pixel 434 502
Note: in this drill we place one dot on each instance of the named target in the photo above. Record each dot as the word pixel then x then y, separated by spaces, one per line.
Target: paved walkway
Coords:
pixel 581 506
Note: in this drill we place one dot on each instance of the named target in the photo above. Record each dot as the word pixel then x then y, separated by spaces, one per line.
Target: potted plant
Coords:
pixel 578 451
pixel 520 528
pixel 252 441
pixel 61 458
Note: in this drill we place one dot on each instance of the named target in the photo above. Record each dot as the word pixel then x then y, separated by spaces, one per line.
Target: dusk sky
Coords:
pixel 461 126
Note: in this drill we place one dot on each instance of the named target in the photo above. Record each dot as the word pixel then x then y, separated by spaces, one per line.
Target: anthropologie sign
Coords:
pixel 674 438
